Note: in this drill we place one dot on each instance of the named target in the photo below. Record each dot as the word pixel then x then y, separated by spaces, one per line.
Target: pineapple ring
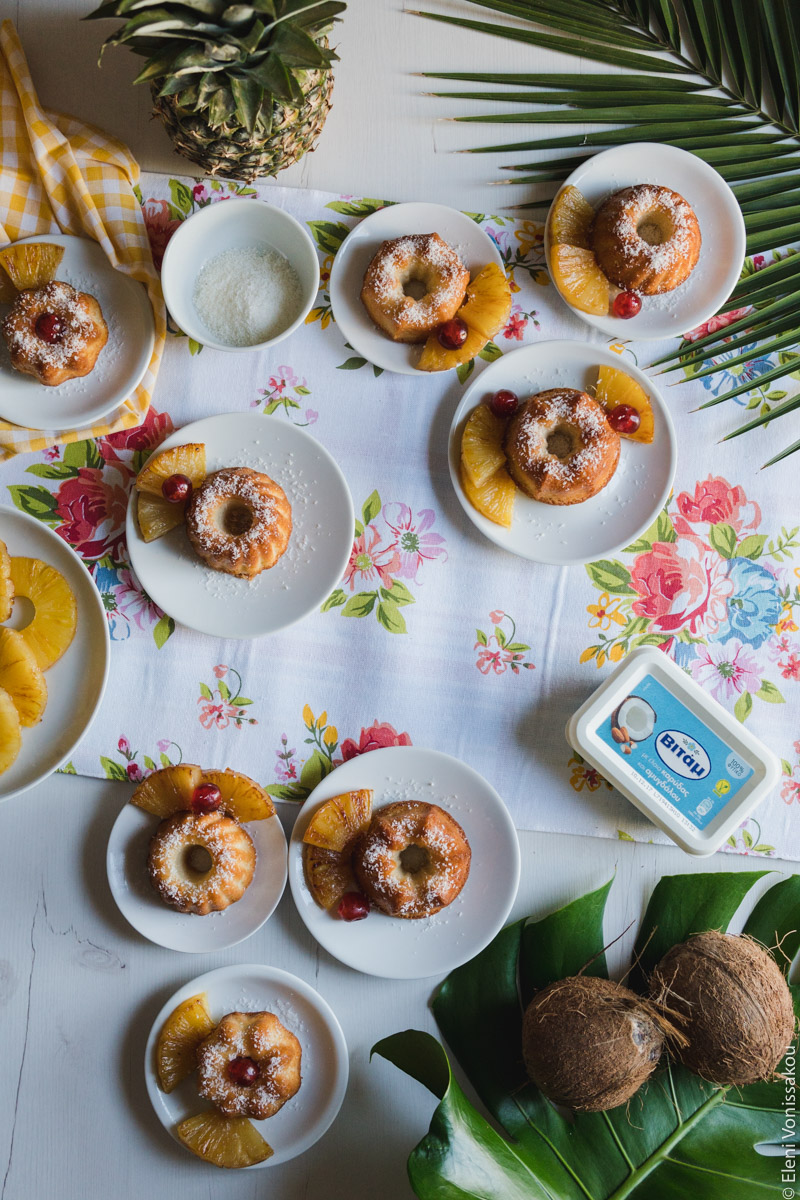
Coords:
pixel 22 677
pixel 6 584
pixel 10 732
pixel 55 617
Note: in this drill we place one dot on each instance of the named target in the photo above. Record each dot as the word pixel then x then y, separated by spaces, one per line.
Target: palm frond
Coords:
pixel 719 78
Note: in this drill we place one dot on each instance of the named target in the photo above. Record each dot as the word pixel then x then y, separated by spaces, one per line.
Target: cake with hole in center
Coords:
pixel 239 521
pixel 560 448
pixel 646 239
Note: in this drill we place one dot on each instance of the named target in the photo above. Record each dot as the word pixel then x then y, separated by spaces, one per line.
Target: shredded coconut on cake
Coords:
pixel 59 298
pixel 247 296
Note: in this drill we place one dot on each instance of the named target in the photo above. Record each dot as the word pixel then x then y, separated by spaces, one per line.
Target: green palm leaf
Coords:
pixel 719 78
pixel 678 1137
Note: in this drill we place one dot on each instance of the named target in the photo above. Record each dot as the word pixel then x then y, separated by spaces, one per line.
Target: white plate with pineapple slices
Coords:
pixel 392 947
pixel 126 864
pixel 324 1063
pixel 319 547
pixel 721 228
pixel 565 535
pixel 122 362
pixel 71 687
pixel 475 248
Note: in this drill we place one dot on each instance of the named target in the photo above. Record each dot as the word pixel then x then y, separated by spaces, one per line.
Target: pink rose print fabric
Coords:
pixel 430 634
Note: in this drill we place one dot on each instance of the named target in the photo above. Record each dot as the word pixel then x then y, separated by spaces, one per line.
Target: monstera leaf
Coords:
pixel 679 1137
pixel 719 78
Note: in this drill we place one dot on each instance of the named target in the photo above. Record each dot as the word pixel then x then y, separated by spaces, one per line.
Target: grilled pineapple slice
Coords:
pixel 56 613
pixel 6 584
pixel 571 219
pixel 579 279
pixel 482 445
pixel 168 791
pixel 614 387
pixel 8 293
pixel 189 460
pixel 485 310
pixel 494 498
pixel 329 874
pixel 157 516
pixel 224 1141
pixel 10 731
pixel 181 1034
pixel 339 820
pixel 242 798
pixel 22 677
pixel 31 265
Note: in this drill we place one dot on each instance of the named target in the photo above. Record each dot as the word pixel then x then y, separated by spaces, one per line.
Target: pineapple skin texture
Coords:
pixel 230 152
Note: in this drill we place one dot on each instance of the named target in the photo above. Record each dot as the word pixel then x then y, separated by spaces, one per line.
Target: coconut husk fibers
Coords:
pixel 589 1044
pixel 730 999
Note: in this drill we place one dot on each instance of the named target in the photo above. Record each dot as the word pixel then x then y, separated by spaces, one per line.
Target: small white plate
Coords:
pixel 564 535
pixel 75 684
pixel 126 863
pixel 721 228
pixel 402 949
pixel 324 1065
pixel 358 249
pixel 122 361
pixel 319 548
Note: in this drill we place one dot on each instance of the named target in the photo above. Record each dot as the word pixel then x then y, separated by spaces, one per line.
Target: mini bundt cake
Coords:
pixel 646 239
pixel 54 333
pixel 560 447
pixel 201 863
pixel 424 259
pixel 239 521
pixel 413 860
pixel 249 1066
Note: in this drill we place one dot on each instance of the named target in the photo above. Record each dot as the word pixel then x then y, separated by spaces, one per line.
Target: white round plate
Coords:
pixel 75 684
pixel 564 535
pixel 126 863
pixel 358 249
pixel 322 535
pixel 721 227
pixel 324 1065
pixel 122 361
pixel 402 949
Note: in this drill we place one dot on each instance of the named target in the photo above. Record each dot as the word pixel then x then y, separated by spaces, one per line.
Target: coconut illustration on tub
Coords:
pixel 633 721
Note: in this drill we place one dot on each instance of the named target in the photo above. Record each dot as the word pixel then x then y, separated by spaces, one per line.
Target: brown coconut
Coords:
pixel 589 1044
pixel 730 999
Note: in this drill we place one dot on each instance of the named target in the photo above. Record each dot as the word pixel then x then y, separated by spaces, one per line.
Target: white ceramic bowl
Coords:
pixel 234 225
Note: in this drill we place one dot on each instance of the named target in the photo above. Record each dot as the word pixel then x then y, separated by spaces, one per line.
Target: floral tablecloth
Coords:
pixel 433 636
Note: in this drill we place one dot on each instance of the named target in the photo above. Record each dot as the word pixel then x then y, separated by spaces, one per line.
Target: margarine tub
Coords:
pixel 673 751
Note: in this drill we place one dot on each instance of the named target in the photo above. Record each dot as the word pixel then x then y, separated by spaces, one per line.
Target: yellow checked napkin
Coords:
pixel 58 175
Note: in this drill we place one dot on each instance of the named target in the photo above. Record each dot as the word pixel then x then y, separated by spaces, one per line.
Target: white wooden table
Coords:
pixel 78 988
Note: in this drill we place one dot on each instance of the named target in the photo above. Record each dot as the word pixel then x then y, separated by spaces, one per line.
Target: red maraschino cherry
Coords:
pixel 176 488
pixel 49 327
pixel 504 403
pixel 626 305
pixel 624 418
pixel 353 906
pixel 452 334
pixel 243 1070
pixel 206 798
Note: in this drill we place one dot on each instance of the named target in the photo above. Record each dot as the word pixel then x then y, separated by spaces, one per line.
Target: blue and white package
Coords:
pixel 673 751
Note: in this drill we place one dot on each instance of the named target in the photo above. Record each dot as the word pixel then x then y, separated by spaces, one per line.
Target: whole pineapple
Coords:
pixel 243 89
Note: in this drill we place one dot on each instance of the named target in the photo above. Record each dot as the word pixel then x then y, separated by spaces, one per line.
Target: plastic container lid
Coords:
pixel 676 753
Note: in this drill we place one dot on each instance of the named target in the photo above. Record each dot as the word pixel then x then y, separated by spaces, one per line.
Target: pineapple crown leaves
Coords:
pixel 229 62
